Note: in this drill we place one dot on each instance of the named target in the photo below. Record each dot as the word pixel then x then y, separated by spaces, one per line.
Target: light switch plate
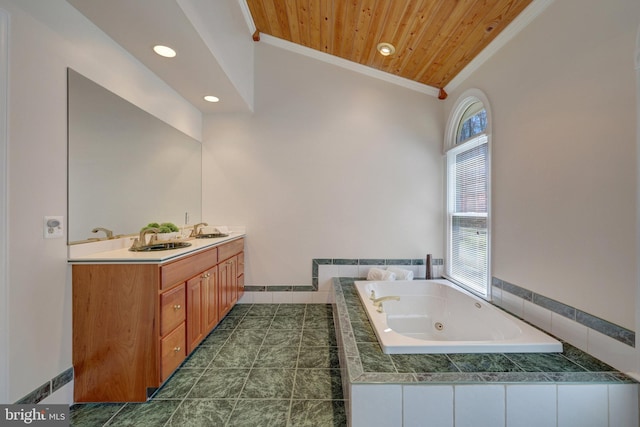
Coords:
pixel 53 227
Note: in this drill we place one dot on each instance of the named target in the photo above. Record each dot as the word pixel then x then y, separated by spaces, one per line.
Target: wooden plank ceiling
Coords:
pixel 434 39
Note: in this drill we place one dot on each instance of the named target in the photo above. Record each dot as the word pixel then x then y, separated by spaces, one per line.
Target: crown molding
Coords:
pixel 529 14
pixel 244 7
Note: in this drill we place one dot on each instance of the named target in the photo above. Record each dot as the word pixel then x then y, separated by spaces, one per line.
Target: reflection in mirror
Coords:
pixel 126 168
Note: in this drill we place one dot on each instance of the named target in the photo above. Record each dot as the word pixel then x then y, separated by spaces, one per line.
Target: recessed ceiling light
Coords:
pixel 211 98
pixel 386 49
pixel 165 51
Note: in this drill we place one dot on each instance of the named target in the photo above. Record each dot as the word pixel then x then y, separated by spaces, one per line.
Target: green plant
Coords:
pixel 171 226
pixel 165 227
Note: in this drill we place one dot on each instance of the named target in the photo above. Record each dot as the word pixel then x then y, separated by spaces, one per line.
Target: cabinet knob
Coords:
pixel 177 349
pixel 177 307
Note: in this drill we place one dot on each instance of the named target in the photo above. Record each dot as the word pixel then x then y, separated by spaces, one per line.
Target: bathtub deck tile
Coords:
pixel 357 315
pixel 363 332
pixel 585 360
pixel 374 360
pixel 355 367
pixel 416 363
pixel 379 377
pixel 581 377
pixel 623 378
pixel 515 377
pixel 449 377
pixel 482 362
pixel 544 362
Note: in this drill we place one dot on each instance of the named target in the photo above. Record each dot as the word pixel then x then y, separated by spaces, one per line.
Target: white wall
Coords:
pixel 332 164
pixel 222 27
pixel 564 156
pixel 45 38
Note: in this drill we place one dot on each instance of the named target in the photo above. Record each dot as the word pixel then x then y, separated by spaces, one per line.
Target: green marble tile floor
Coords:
pixel 263 365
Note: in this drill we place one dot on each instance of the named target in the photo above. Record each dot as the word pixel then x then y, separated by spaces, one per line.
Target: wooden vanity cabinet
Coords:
pixel 116 330
pixel 134 324
pixel 240 258
pixel 173 309
pixel 195 319
pixel 211 290
pixel 202 303
pixel 228 274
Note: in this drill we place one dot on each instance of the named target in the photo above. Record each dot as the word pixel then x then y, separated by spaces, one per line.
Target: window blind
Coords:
pixel 468 214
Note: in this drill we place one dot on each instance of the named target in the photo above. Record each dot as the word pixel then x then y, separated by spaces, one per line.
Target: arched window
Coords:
pixel 468 193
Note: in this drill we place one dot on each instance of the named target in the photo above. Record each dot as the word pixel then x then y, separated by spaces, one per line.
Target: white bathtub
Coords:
pixel 436 316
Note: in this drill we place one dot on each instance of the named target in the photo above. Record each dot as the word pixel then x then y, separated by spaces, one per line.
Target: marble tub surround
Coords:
pixel 605 340
pixel 409 384
pixel 323 270
pixel 267 364
pixel 612 330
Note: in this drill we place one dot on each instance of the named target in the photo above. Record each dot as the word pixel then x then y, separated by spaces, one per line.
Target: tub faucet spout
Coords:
pixel 379 301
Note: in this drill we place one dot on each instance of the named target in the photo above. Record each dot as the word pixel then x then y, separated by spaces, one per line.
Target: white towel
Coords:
pixel 380 275
pixel 222 229
pixel 207 230
pixel 401 274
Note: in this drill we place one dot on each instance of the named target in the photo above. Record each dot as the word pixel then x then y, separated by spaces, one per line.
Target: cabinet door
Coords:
pixel 195 314
pixel 228 285
pixel 233 283
pixel 240 274
pixel 211 305
pixel 223 284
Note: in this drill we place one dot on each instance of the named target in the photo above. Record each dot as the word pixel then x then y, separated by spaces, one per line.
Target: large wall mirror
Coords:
pixel 126 168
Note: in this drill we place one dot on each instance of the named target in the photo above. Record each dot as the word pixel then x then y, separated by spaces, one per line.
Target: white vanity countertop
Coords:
pixel 122 254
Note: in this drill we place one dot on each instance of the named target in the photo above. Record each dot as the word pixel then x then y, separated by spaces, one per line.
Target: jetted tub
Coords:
pixel 436 316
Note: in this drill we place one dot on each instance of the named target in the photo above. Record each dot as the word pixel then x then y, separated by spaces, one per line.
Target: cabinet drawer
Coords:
pixel 173 351
pixel 186 268
pixel 230 249
pixel 172 309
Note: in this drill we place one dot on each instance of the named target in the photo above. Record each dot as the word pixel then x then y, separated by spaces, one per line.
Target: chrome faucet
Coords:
pixel 196 229
pixel 108 232
pixel 141 241
pixel 377 302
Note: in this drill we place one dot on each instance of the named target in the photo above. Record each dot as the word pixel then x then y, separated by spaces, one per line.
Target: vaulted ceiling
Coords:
pixel 433 39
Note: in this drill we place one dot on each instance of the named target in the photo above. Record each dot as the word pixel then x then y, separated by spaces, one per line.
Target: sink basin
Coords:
pixel 165 246
pixel 211 235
